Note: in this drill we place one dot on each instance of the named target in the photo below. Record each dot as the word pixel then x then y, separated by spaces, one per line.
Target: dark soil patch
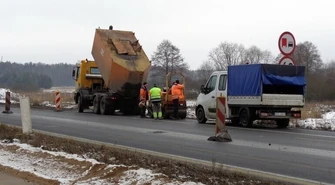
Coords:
pixel 28 176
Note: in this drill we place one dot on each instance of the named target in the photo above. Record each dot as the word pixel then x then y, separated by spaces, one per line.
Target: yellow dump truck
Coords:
pixel 113 80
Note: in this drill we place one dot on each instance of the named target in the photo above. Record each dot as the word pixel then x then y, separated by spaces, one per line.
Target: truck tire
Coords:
pixel 283 123
pixel 200 114
pixel 96 105
pixel 80 105
pixel 104 108
pixel 245 118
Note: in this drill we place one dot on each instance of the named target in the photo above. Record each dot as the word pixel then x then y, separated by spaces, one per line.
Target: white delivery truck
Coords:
pixel 254 92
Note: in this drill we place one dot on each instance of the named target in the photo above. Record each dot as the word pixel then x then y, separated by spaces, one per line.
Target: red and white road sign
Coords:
pixel 286 43
pixel 286 61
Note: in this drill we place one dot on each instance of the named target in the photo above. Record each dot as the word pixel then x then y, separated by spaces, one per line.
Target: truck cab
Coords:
pixel 87 76
pixel 215 86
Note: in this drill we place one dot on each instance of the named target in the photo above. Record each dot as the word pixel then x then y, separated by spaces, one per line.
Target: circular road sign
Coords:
pixel 286 43
pixel 286 61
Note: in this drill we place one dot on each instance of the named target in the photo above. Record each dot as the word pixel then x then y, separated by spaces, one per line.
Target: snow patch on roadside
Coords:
pixel 71 168
pixel 15 97
pixel 327 122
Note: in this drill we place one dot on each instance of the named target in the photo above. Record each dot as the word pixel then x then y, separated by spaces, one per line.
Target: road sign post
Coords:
pixel 286 45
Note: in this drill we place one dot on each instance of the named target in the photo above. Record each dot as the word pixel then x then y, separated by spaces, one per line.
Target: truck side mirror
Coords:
pixel 73 73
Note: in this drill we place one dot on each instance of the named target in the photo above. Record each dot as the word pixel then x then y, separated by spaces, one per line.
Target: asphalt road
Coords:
pixel 300 153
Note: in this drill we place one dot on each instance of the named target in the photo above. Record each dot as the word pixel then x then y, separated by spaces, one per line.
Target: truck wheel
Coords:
pixel 283 123
pixel 96 105
pixel 104 108
pixel 245 118
pixel 200 113
pixel 80 105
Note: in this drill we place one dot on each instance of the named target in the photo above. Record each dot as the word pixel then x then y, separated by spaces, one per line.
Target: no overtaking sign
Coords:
pixel 286 44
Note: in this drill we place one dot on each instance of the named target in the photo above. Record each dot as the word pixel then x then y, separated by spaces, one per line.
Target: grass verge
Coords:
pixel 172 168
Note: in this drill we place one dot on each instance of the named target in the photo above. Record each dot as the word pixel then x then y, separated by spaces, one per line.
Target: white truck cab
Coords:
pixel 206 101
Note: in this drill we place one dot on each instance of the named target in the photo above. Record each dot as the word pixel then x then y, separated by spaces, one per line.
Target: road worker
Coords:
pixel 177 93
pixel 144 96
pixel 156 99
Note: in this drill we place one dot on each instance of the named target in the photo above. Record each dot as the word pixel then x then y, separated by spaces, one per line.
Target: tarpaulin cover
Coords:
pixel 244 80
pixel 283 75
pixel 247 80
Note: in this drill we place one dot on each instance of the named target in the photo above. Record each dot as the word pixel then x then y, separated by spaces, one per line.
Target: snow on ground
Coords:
pixel 65 105
pixel 15 97
pixel 74 169
pixel 327 122
pixel 65 89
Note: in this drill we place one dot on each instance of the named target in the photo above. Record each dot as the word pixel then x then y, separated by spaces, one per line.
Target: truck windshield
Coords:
pixel 94 70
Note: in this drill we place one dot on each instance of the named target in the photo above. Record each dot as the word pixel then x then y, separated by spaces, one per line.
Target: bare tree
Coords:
pixel 255 55
pixel 226 54
pixel 167 58
pixel 328 74
pixel 307 54
pixel 205 71
pixel 267 57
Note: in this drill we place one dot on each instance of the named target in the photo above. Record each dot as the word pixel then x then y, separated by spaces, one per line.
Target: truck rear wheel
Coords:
pixel 245 118
pixel 80 105
pixel 104 108
pixel 96 105
pixel 283 123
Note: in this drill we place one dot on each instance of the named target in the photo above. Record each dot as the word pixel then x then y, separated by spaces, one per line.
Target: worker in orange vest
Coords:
pixel 177 93
pixel 144 96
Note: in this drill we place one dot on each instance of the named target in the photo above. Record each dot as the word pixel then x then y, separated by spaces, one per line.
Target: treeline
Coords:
pixel 33 76
pixel 25 81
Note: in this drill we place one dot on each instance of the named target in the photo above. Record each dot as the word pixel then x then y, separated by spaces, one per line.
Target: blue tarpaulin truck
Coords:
pixel 254 92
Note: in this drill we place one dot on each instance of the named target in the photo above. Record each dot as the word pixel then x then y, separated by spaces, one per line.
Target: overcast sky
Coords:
pixel 54 31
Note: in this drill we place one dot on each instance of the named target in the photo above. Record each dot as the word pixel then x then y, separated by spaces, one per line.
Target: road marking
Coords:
pixel 313 139
pixel 282 132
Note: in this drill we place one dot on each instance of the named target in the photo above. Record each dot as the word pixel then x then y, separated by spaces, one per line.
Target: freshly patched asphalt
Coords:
pixel 294 152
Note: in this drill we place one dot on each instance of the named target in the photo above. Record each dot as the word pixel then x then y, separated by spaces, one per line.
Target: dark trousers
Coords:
pixel 175 107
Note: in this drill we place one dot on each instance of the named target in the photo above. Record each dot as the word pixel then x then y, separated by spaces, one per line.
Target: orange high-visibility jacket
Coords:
pixel 177 91
pixel 144 94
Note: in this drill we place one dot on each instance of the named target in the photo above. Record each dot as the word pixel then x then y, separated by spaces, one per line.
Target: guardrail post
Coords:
pixel 25 115
pixel 8 103
pixel 221 132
